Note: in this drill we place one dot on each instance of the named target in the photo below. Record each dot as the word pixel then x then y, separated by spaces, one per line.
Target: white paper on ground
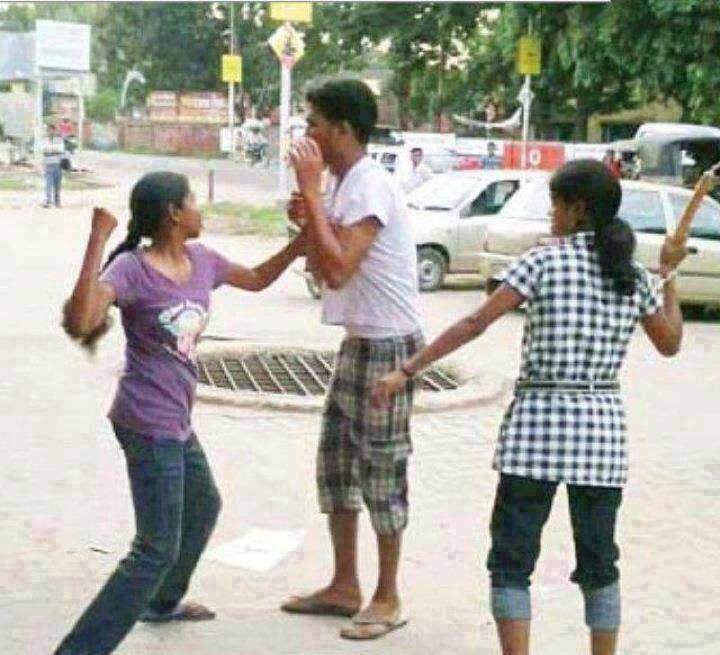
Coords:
pixel 258 550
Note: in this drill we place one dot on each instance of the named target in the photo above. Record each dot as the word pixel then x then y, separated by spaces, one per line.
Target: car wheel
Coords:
pixel 431 268
pixel 313 286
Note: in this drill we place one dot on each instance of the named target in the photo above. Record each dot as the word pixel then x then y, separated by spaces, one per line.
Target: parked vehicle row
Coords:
pixel 480 221
pixel 651 209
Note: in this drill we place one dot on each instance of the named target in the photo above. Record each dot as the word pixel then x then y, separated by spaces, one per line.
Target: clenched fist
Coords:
pixel 103 222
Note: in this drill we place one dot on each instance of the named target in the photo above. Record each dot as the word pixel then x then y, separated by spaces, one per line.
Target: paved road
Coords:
pixel 64 490
pixel 233 180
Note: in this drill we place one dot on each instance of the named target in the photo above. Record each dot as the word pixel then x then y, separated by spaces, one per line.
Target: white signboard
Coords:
pixel 62 46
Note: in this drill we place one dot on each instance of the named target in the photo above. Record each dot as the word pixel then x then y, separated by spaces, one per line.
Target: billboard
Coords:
pixel 187 106
pixel 62 46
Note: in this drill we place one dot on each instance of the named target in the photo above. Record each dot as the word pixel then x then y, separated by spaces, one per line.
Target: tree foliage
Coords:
pixel 437 57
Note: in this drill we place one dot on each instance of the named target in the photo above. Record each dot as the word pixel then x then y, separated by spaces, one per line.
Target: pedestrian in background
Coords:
pixel 53 148
pixel 612 163
pixel 163 292
pixel 584 297
pixel 491 161
pixel 419 171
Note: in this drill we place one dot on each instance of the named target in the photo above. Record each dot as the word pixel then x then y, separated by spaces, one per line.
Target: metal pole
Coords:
pixel 231 85
pixel 37 145
pixel 526 108
pixel 211 186
pixel 526 122
pixel 285 91
pixel 81 120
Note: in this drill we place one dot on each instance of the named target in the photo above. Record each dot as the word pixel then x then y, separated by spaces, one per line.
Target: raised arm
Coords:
pixel 86 309
pixel 336 253
pixel 503 300
pixel 665 328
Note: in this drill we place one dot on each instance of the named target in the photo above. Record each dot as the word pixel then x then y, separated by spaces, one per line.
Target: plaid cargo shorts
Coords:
pixel 363 452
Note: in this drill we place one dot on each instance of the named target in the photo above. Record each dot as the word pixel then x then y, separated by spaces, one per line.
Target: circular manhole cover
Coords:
pixel 289 372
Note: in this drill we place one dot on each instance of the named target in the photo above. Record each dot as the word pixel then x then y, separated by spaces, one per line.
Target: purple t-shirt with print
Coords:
pixel 163 321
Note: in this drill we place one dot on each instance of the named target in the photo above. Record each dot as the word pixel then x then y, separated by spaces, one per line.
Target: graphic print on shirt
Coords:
pixel 186 322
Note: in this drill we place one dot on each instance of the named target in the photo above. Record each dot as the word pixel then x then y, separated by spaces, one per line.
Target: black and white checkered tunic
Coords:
pixel 577 328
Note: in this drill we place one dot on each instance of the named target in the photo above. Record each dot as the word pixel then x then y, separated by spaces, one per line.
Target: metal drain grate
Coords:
pixel 294 373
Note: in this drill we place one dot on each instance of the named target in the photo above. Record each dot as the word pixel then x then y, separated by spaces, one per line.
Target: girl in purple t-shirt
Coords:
pixel 163 293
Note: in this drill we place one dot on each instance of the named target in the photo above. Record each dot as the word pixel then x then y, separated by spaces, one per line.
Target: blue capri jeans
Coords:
pixel 522 507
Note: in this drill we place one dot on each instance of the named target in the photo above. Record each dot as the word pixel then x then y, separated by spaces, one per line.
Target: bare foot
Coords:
pixel 332 601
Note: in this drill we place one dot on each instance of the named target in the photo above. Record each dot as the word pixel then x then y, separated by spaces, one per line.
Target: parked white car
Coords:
pixel 651 209
pixel 450 214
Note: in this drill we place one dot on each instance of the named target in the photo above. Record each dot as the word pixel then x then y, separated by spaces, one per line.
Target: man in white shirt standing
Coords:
pixel 53 148
pixel 419 172
pixel 361 245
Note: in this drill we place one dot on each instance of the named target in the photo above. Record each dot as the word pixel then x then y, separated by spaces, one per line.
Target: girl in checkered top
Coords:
pixel 584 295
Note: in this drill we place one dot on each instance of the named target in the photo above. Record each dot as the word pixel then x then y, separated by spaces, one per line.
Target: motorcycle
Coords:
pixel 256 153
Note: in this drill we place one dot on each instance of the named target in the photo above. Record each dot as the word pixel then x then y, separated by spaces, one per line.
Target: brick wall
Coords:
pixel 175 138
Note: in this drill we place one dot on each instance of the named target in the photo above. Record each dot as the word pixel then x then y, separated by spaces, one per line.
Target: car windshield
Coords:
pixel 441 193
pixel 531 200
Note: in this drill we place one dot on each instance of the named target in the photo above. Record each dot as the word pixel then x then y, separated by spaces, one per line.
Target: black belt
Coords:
pixel 580 386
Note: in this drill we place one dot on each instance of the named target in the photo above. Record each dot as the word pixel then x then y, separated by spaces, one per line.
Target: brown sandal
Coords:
pixel 309 605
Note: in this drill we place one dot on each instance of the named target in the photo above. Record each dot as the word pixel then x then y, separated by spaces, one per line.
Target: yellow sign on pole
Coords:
pixel 295 12
pixel 231 68
pixel 528 56
pixel 287 43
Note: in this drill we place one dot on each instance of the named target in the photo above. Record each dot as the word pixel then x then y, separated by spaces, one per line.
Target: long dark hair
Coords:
pixel 150 201
pixel 591 182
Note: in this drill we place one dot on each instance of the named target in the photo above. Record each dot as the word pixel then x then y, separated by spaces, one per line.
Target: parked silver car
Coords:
pixel 651 209
pixel 450 214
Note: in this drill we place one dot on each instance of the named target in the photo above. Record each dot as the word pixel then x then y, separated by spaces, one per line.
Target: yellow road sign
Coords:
pixel 231 68
pixel 528 56
pixel 296 12
pixel 287 43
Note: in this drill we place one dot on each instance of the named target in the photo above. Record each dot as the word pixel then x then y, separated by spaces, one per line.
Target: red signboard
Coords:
pixel 541 156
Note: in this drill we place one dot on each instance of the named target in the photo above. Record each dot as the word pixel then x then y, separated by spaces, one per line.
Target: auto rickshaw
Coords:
pixel 677 157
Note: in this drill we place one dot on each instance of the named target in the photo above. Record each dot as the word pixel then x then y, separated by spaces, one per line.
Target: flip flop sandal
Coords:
pixel 182 612
pixel 363 628
pixel 304 605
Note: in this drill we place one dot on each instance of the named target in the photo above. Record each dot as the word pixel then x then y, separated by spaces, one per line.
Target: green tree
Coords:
pixel 672 48
pixel 425 45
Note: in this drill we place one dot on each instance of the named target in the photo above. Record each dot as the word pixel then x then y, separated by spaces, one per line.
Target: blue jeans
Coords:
pixel 522 506
pixel 53 177
pixel 176 506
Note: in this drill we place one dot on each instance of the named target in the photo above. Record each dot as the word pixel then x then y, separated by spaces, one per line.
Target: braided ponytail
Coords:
pixel 132 241
pixel 590 182
pixel 615 245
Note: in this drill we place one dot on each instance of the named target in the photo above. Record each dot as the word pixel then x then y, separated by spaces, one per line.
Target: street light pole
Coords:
pixel 285 93
pixel 527 100
pixel 231 85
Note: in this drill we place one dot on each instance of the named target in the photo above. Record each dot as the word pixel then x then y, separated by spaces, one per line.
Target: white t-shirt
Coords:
pixel 53 148
pixel 381 298
pixel 417 175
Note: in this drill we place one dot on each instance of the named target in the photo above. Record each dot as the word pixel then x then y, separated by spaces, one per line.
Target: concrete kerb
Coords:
pixel 474 390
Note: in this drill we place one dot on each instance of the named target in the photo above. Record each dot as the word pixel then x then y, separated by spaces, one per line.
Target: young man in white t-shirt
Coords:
pixel 361 246
pixel 419 172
